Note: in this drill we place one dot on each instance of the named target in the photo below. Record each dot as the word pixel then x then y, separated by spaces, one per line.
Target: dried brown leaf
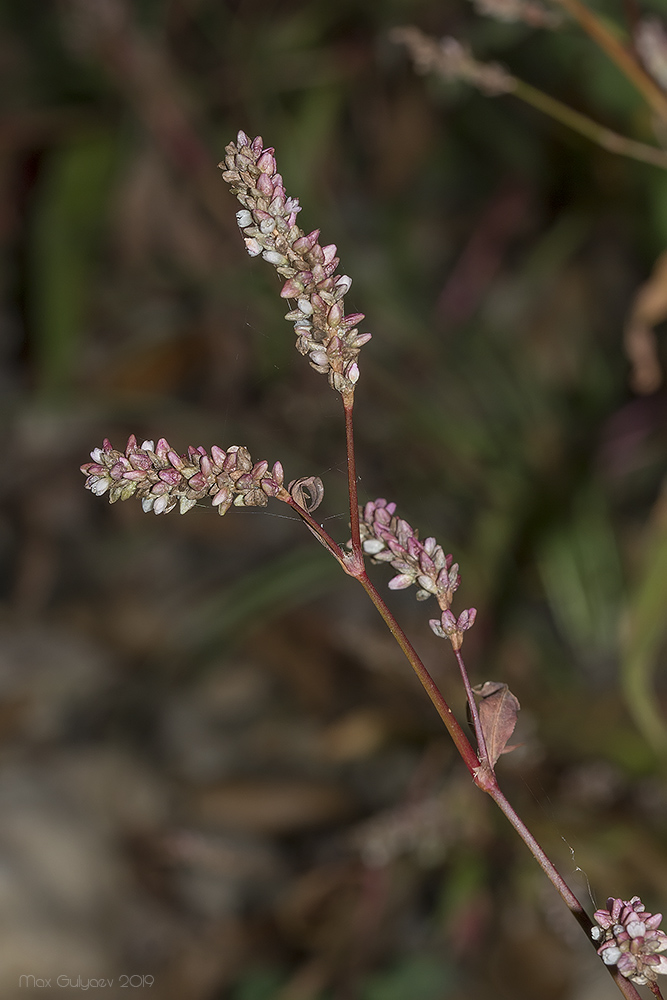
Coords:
pixel 498 711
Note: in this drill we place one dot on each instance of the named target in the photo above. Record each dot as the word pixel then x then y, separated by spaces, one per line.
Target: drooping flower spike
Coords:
pixel 330 339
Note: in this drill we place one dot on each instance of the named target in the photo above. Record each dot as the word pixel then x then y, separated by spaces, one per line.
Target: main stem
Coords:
pixel 574 906
pixel 461 741
pixel 481 771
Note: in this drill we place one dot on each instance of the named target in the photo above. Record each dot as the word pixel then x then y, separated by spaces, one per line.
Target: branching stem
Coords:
pixel 599 134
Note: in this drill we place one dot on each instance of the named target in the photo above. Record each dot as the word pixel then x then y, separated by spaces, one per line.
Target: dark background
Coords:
pixel 216 768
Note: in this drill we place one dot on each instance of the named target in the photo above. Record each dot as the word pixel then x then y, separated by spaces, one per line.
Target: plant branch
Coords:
pixel 557 880
pixel 460 739
pixel 348 404
pixel 619 54
pixel 482 750
pixel 599 134
pixel 322 536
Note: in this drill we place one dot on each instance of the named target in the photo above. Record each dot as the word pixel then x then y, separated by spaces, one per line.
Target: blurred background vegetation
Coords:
pixel 216 769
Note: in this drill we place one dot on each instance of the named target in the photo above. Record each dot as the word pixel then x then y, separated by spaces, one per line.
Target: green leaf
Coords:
pixel 64 252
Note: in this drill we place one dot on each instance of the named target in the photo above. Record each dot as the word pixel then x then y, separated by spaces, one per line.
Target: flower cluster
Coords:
pixel 387 538
pixel 630 939
pixel 161 478
pixel 324 333
pixel 390 539
pixel 453 61
pixel 447 626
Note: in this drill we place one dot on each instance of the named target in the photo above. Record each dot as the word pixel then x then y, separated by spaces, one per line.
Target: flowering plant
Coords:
pixel 627 939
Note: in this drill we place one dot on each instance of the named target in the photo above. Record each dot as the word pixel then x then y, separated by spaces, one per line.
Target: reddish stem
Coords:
pixel 481 770
pixel 348 404
pixel 482 750
pixel 470 758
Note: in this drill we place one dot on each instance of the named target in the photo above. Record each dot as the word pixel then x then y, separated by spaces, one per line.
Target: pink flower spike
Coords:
pixel 268 221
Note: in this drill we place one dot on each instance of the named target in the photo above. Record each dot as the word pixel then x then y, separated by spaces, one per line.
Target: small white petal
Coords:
pixel 253 247
pixel 244 218
pixel 161 503
pixel 273 257
pixel 373 545
pixel 305 306
pixel 100 486
pixel 147 503
pixel 96 455
pixel 610 956
pixel 148 445
pixel 661 967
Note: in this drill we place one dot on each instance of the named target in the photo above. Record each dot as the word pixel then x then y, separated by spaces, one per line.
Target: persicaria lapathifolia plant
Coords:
pixel 162 479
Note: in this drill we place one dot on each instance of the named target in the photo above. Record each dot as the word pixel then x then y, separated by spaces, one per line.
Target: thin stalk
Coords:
pixel 482 750
pixel 605 137
pixel 619 54
pixel 322 536
pixel 348 404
